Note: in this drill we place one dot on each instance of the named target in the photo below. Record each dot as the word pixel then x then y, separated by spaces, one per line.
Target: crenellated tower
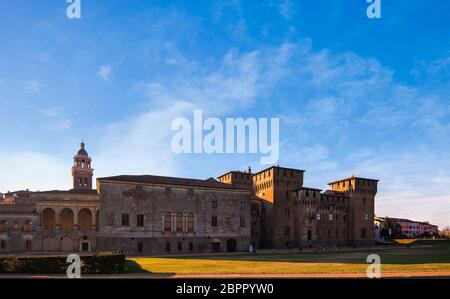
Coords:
pixel 361 207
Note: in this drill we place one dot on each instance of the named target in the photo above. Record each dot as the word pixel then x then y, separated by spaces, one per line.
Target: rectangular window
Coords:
pixel 180 246
pixel 28 244
pixel 125 220
pixel 3 244
pixel 242 221
pixel 366 216
pixel 318 216
pixel 214 204
pixel 330 217
pixel 168 246
pixel 140 246
pixel 140 220
pixel 191 246
pixel 214 221
pixel 242 205
pixel 363 233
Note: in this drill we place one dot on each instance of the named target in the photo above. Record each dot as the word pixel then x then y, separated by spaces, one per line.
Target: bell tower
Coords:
pixel 81 170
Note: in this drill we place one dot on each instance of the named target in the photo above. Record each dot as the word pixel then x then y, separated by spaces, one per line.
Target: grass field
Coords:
pixel 421 256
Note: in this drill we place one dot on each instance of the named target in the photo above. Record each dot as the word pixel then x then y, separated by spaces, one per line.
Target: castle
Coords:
pixel 161 215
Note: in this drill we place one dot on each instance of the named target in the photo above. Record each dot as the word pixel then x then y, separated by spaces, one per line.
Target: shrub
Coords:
pixel 92 264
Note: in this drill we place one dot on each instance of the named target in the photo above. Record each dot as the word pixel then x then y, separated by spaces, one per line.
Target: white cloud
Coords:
pixel 105 72
pixel 34 171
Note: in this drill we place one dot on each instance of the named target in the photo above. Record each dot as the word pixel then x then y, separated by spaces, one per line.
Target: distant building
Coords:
pixel 408 228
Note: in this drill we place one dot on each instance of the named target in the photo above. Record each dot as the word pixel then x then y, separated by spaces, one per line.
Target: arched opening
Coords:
pixel 28 226
pixel 48 219
pixel 168 222
pixel 67 219
pixel 179 222
pixel 309 235
pixel 190 222
pixel 85 219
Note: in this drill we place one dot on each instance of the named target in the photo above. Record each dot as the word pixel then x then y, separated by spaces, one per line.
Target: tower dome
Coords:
pixel 82 151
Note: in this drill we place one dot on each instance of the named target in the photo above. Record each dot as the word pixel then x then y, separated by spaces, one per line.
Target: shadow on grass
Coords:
pixel 437 253
pixel 135 268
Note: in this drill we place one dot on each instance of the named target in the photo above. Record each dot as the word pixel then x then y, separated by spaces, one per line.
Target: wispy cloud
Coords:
pixel 105 72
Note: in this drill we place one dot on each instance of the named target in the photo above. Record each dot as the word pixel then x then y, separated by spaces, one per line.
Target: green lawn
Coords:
pixel 419 257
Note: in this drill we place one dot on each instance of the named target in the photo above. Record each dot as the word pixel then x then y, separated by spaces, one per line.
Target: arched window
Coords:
pixel 67 219
pixel 48 219
pixel 179 222
pixel 167 222
pixel 85 219
pixel 190 222
pixel 309 235
pixel 85 182
pixel 28 226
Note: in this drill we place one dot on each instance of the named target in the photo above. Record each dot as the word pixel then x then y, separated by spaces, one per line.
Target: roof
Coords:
pixel 308 188
pixel 287 168
pixel 164 180
pixel 351 178
pixel 333 193
pixel 235 171
pixel 71 191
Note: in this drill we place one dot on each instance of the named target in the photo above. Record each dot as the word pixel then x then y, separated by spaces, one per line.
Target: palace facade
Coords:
pixel 150 214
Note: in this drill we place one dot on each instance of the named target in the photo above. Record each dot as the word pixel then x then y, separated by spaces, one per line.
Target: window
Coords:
pixel 3 244
pixel 214 221
pixel 242 221
pixel 167 222
pixel 363 233
pixel 309 235
pixel 168 246
pixel 191 246
pixel 179 222
pixel 140 220
pixel 287 232
pixel 214 204
pixel 242 205
pixel 28 226
pixel 140 246
pixel 139 188
pixel 168 190
pixel 180 246
pixel 366 216
pixel 190 222
pixel 125 220
pixel 2 226
pixel 364 200
pixel 318 216
pixel 330 217
pixel 286 213
pixel 28 244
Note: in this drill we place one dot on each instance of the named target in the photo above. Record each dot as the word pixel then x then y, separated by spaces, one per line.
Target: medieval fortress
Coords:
pixel 149 214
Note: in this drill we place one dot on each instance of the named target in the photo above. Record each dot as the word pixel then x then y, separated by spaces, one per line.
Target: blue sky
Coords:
pixel 355 96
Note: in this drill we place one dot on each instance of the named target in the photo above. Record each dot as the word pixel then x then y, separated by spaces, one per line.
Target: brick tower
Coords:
pixel 361 208
pixel 81 170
